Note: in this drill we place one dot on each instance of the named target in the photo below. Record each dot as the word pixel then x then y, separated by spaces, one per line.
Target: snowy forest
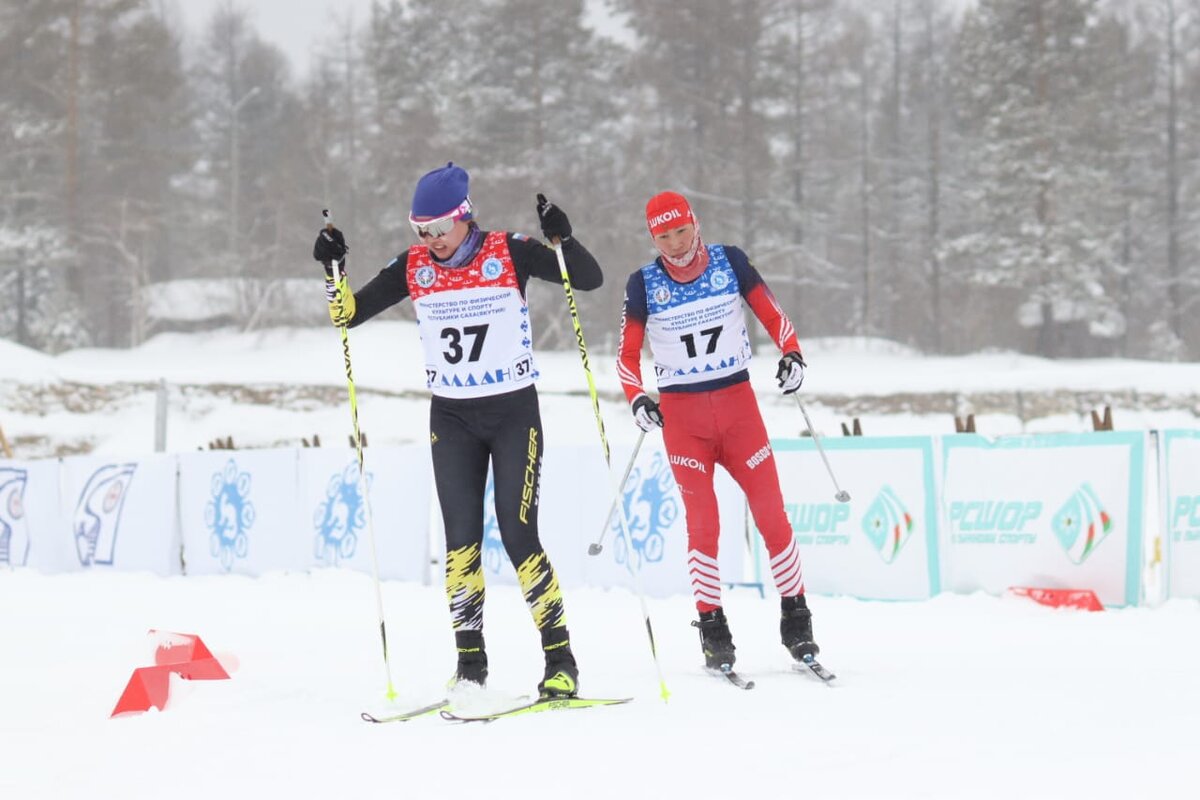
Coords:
pixel 956 175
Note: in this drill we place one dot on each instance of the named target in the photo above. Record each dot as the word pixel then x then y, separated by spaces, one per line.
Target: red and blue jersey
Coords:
pixel 474 322
pixel 697 330
pixel 473 318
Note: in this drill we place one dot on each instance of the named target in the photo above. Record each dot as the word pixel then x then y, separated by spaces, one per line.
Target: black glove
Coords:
pixel 555 224
pixel 791 372
pixel 329 247
pixel 646 413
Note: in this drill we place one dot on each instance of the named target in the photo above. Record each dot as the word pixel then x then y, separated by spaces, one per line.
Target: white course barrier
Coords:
pixel 1048 510
pixel 253 511
pixel 1179 454
pixel 883 544
pixel 31 522
pixel 335 521
pixel 959 513
pixel 576 494
pixel 121 514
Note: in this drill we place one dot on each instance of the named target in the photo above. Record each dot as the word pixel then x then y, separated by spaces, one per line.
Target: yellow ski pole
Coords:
pixel 583 355
pixel 336 271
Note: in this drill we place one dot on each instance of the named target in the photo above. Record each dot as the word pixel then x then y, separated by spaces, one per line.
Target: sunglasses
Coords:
pixel 433 228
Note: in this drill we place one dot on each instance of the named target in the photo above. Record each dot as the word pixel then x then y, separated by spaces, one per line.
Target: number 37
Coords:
pixel 454 337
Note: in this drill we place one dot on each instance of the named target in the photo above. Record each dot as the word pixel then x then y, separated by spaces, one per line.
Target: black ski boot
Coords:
pixel 472 659
pixel 715 639
pixel 795 627
pixel 562 675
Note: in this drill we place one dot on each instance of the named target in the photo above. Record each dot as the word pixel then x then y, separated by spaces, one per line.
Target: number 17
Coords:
pixel 689 341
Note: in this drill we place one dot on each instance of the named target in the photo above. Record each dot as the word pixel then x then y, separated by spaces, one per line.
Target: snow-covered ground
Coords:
pixel 958 697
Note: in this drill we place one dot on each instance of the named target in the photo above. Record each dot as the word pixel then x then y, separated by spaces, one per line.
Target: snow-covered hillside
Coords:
pixel 278 386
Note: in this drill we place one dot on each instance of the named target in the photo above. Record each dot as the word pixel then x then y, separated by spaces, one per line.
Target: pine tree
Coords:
pixel 413 75
pixel 136 111
pixel 526 108
pixel 252 179
pixel 1029 84
pixel 40 252
pixel 1183 175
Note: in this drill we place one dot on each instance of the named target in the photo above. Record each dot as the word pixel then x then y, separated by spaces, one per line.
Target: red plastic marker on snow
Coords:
pixel 1083 599
pixel 181 653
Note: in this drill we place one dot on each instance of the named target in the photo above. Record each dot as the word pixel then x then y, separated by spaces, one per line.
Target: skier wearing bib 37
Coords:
pixel 689 304
pixel 468 288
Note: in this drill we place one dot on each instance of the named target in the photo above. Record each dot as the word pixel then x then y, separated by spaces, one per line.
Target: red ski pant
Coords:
pixel 724 426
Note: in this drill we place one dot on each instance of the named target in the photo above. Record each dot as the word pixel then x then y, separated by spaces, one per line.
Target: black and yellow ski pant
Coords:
pixel 506 431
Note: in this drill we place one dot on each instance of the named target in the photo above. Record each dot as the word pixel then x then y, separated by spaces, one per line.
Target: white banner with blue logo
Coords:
pixel 31 520
pixel 121 513
pixel 577 494
pixel 240 512
pixel 1047 510
pixel 1179 453
pixel 882 545
pixel 335 525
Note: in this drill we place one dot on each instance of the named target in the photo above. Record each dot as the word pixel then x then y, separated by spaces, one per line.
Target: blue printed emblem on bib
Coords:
pixel 492 268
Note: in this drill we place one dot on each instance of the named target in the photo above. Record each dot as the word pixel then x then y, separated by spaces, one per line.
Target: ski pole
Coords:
pixel 362 474
pixel 842 495
pixel 566 282
pixel 583 354
pixel 595 547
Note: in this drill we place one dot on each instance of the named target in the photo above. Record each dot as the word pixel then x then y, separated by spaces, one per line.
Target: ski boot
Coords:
pixel 795 627
pixel 472 659
pixel 562 674
pixel 716 640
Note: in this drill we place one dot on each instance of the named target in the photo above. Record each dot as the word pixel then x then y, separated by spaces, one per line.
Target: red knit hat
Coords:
pixel 666 211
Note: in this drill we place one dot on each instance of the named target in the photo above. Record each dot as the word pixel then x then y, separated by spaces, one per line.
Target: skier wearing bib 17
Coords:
pixel 688 303
pixel 468 288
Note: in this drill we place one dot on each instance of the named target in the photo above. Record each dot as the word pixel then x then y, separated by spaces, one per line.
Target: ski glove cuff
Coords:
pixel 791 372
pixel 341 301
pixel 646 413
pixel 553 219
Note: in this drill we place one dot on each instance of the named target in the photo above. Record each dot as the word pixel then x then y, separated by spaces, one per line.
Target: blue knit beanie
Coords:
pixel 440 192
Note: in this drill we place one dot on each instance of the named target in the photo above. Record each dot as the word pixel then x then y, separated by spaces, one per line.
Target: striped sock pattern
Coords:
pixel 706 578
pixel 785 569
